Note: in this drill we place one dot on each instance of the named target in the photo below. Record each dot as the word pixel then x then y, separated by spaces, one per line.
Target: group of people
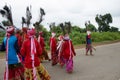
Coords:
pixel 24 53
pixel 62 52
pixel 23 56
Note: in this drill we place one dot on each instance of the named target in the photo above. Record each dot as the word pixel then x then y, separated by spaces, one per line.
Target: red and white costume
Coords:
pixel 42 45
pixel 67 53
pixel 53 47
pixel 31 50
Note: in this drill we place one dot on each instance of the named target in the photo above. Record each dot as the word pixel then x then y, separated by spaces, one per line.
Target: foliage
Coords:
pixel 114 29
pixel 103 22
pixel 90 26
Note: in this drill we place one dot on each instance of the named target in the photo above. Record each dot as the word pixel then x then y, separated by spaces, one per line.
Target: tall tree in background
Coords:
pixel 103 22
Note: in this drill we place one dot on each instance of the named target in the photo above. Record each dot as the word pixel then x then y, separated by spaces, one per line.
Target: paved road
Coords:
pixel 104 65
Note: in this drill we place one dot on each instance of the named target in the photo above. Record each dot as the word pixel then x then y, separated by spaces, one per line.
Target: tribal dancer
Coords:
pixel 53 47
pixel 68 53
pixel 42 45
pixel 14 69
pixel 59 47
pixel 31 50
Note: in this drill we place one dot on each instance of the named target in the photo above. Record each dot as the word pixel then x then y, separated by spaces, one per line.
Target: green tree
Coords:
pixel 114 29
pixel 103 22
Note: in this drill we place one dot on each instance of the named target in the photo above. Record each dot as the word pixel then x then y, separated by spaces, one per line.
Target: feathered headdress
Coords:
pixel 28 17
pixel 1 26
pixel 6 12
pixel 42 13
pixel 66 27
pixel 52 27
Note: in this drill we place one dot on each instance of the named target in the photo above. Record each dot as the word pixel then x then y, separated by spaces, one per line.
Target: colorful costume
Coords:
pixel 68 53
pixel 31 50
pixel 14 69
pixel 59 47
pixel 42 45
pixel 53 47
pixel 19 40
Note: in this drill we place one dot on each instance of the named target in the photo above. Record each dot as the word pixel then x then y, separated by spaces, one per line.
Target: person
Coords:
pixel 14 69
pixel 31 51
pixel 68 53
pixel 53 47
pixel 42 45
pixel 88 43
pixel 59 46
pixel 19 41
pixel 24 33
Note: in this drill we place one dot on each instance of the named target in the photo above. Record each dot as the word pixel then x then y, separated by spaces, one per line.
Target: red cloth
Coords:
pixel 41 42
pixel 89 36
pixel 53 44
pixel 66 49
pixel 19 40
pixel 25 51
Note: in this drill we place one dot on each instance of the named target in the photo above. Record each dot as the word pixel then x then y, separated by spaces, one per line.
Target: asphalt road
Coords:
pixel 104 65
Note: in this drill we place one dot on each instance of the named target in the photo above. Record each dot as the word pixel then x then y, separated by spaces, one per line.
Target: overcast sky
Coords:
pixel 76 11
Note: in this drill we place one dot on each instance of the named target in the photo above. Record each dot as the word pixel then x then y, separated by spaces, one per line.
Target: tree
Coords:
pixel 114 29
pixel 90 26
pixel 103 22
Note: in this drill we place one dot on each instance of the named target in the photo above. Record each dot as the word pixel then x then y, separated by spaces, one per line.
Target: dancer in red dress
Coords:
pixel 44 55
pixel 53 47
pixel 68 53
pixel 31 50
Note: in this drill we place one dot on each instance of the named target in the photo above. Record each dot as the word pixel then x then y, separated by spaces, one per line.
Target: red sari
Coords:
pixel 67 53
pixel 44 52
pixel 53 47
pixel 40 72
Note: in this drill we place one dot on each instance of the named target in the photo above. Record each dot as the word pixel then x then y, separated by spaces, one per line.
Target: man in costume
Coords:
pixel 14 69
pixel 42 45
pixel 59 47
pixel 68 52
pixel 19 37
pixel 31 50
pixel 53 47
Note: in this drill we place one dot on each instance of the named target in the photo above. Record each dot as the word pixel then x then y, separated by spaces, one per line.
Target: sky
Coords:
pixel 58 11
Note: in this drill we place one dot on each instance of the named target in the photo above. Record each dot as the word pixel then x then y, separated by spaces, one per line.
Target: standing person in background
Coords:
pixel 31 50
pixel 53 47
pixel 68 53
pixel 42 45
pixel 88 43
pixel 14 69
